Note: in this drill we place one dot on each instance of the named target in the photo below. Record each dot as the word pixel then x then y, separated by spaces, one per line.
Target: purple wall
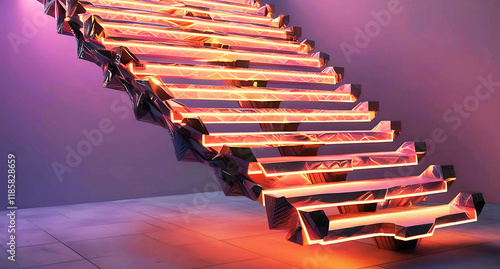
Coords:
pixel 426 65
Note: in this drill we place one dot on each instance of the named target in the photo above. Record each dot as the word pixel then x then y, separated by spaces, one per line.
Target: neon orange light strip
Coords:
pixel 400 216
pixel 407 148
pixel 192 23
pixel 327 76
pixel 353 186
pixel 436 212
pixel 249 115
pixel 279 139
pixel 178 36
pixel 256 3
pixel 183 10
pixel 217 5
pixel 207 92
pixel 212 54
pixel 289 165
pixel 395 188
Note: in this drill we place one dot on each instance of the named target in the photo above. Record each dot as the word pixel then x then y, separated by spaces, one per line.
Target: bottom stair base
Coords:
pixel 391 243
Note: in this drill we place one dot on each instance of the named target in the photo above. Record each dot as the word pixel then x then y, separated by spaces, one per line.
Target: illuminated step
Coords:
pixel 364 111
pixel 267 10
pixel 329 75
pixel 119 29
pixel 263 11
pixel 385 131
pixel 193 23
pixel 282 204
pixel 346 93
pixel 184 10
pixel 163 50
pixel 402 223
pixel 256 3
pixel 408 154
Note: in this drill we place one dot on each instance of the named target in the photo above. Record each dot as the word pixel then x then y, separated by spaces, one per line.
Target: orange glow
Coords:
pixel 216 5
pixel 274 174
pixel 250 115
pixel 245 2
pixel 316 207
pixel 361 185
pixel 187 23
pixel 288 165
pixel 257 94
pixel 426 215
pixel 255 171
pixel 405 217
pixel 176 36
pixel 223 73
pixel 173 9
pixel 156 81
pixel 214 54
pixel 278 139
pixel 320 206
pixel 456 223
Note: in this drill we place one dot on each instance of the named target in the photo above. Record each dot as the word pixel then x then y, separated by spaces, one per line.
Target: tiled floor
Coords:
pixel 209 230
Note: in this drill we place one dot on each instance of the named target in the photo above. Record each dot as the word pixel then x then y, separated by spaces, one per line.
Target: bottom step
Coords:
pixel 401 223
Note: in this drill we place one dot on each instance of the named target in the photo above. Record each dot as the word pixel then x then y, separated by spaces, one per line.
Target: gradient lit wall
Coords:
pixel 428 62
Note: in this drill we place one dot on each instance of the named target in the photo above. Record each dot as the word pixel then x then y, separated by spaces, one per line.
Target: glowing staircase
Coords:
pixel 142 46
